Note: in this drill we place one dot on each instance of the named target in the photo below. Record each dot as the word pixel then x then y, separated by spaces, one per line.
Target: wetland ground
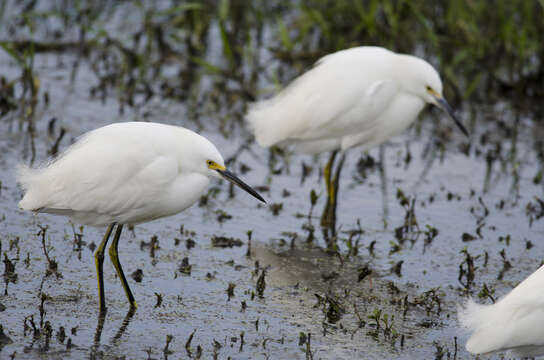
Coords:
pixel 425 221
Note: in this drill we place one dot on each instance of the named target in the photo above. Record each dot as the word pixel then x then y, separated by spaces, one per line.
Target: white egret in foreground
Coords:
pixel 514 323
pixel 359 96
pixel 125 173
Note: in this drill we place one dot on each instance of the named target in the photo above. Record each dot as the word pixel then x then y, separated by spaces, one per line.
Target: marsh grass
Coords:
pixel 215 57
pixel 485 50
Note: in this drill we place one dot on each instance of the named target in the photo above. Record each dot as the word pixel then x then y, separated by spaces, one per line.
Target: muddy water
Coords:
pixel 307 290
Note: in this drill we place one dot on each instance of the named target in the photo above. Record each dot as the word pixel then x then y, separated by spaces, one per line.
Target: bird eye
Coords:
pixel 429 88
pixel 210 163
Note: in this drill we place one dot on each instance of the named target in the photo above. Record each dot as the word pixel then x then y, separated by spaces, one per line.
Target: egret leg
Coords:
pixel 327 171
pixel 334 196
pixel 383 178
pixel 115 260
pixel 99 261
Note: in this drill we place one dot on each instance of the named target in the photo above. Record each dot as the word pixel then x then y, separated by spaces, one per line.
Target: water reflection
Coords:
pixel 100 326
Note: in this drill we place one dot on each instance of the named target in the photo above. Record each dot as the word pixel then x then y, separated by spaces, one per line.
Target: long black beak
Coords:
pixel 236 181
pixel 443 104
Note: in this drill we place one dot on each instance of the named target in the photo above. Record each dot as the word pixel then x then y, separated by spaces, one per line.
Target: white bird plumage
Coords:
pixel 512 323
pixel 359 96
pixel 125 173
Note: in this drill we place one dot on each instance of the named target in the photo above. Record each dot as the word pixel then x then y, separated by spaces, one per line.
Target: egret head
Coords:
pixel 198 154
pixel 215 166
pixel 423 81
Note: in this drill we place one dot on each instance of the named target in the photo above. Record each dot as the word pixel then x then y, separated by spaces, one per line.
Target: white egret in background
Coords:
pixel 356 97
pixel 513 323
pixel 125 173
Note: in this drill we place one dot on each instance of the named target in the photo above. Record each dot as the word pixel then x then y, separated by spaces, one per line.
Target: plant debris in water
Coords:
pixel 68 67
pixel 224 242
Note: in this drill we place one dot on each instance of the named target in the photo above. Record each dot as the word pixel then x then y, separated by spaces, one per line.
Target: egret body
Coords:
pixel 124 173
pixel 512 323
pixel 356 97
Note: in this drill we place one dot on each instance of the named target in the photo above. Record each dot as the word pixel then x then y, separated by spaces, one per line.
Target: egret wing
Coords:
pixel 104 173
pixel 342 94
pixel 360 114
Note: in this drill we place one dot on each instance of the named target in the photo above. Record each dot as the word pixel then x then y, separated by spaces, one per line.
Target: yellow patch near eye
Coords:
pixel 431 91
pixel 215 166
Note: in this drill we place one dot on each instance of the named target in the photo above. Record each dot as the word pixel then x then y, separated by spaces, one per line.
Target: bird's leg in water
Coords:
pixel 114 256
pixel 327 171
pixel 383 177
pixel 334 196
pixel 99 261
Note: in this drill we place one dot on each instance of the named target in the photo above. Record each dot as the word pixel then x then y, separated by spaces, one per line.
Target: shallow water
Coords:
pixel 449 196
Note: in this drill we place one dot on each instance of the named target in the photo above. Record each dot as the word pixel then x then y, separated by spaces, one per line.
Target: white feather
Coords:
pixel 351 97
pixel 124 173
pixel 512 323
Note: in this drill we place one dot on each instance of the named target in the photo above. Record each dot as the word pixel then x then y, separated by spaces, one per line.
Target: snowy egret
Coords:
pixel 125 173
pixel 359 96
pixel 512 323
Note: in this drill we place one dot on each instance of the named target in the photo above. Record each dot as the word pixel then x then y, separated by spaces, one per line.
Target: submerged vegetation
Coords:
pixel 207 60
pixel 165 48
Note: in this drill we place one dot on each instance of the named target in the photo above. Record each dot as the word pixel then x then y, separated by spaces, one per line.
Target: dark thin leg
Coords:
pixel 115 260
pixel 327 172
pixel 334 196
pixel 99 261
pixel 383 177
